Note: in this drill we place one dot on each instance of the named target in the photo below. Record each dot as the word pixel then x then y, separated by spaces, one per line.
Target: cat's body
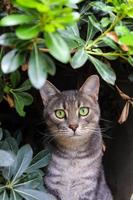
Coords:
pixel 75 171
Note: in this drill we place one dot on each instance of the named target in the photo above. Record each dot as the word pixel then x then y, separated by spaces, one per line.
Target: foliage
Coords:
pixel 36 32
pixel 20 173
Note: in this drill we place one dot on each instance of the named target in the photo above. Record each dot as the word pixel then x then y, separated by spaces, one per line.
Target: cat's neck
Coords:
pixel 90 146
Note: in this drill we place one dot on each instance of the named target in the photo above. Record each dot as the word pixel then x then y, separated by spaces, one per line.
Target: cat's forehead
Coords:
pixel 72 98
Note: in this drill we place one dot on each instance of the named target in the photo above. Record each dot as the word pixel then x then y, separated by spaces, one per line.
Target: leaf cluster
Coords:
pixel 20 175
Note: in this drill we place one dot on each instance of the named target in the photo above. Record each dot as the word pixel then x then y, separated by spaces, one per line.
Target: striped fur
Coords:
pixel 75 171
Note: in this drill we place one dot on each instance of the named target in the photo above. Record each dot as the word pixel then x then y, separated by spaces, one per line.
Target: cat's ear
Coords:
pixel 47 91
pixel 91 86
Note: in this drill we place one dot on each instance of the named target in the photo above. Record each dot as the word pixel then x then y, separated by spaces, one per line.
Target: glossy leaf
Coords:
pixel 37 68
pixel 23 160
pixel 91 30
pixel 57 47
pixel 11 61
pixel 15 19
pixel 79 58
pixel 27 32
pixel 106 72
pixel 8 39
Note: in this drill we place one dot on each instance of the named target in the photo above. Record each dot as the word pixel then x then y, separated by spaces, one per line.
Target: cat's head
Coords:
pixel 72 116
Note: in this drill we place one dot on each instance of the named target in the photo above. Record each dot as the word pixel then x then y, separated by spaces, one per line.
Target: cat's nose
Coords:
pixel 73 126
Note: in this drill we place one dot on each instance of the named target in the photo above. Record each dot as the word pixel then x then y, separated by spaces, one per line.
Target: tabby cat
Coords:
pixel 75 171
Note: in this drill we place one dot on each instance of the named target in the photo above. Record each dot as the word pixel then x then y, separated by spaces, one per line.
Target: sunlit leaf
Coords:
pixel 11 61
pixel 37 68
pixel 27 32
pixel 15 19
pixel 127 39
pixel 57 47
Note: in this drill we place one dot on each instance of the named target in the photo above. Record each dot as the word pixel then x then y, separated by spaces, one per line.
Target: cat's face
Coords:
pixel 72 116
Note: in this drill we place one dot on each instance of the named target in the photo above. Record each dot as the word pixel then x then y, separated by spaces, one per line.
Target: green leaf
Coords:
pixel 22 99
pixel 110 43
pixel 26 85
pixel 121 30
pixel 50 65
pixel 4 196
pixel 57 47
pixel 40 160
pixel 102 6
pixel 14 196
pixel 105 21
pixel 15 19
pixel 15 78
pixel 37 68
pixel 106 72
pixel 79 58
pixel 95 23
pixel 6 158
pixel 130 12
pixel 27 32
pixel 130 60
pixel 8 39
pixel 31 181
pixel 91 30
pixel 11 61
pixel 12 143
pixel 22 162
pixel 127 39
pixel 29 194
pixel 1 133
pixel 130 77
pixel 33 4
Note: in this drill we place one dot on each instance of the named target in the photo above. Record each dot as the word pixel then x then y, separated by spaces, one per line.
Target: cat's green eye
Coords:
pixel 83 111
pixel 60 113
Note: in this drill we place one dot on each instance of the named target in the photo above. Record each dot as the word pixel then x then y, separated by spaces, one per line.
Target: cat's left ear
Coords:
pixel 91 87
pixel 48 91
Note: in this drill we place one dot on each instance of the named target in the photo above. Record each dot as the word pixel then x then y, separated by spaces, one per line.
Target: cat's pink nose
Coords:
pixel 73 126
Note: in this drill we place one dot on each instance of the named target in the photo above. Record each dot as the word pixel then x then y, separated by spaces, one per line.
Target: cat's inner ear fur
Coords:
pixel 91 86
pixel 47 91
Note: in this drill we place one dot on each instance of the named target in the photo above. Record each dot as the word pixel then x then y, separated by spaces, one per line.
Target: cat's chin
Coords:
pixel 73 142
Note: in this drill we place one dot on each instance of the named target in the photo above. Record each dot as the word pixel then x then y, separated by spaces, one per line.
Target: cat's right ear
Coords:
pixel 47 91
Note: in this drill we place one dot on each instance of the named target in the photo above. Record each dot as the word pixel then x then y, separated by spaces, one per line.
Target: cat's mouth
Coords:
pixel 75 135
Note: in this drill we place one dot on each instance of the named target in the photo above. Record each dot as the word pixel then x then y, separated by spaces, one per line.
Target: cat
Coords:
pixel 75 171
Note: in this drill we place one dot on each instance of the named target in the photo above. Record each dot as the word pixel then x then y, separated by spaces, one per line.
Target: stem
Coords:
pixel 107 54
pixel 116 20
